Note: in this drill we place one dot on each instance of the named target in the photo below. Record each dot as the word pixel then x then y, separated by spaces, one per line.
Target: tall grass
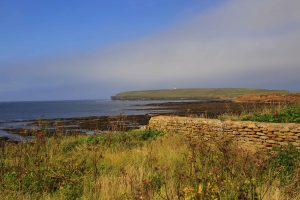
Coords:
pixel 145 164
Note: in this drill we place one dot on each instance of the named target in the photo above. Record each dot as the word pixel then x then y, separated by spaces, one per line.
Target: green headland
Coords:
pixel 193 93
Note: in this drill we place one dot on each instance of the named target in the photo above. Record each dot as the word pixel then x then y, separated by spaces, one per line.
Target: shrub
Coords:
pixel 71 145
pixel 150 134
pixel 94 139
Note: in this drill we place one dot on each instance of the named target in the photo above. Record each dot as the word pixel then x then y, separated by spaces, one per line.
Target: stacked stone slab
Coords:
pixel 261 134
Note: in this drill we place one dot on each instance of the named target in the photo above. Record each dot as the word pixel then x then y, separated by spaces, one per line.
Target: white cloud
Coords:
pixel 236 38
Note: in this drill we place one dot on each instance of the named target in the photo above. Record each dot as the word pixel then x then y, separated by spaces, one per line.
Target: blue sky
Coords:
pixel 55 49
pixel 41 28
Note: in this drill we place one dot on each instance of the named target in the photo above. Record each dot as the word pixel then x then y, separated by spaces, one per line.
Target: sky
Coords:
pixel 57 50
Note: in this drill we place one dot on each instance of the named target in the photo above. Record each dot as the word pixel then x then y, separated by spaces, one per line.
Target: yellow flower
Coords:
pixel 189 193
pixel 208 185
pixel 200 188
pixel 188 190
pixel 215 189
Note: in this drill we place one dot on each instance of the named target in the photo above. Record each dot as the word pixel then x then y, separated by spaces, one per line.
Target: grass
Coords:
pixel 194 93
pixel 276 113
pixel 145 164
pixel 290 114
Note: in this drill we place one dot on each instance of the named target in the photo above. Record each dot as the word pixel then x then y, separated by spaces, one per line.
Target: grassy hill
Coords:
pixel 193 93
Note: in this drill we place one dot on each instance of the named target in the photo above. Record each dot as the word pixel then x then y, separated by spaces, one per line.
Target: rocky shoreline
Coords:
pixel 98 124
pixel 78 125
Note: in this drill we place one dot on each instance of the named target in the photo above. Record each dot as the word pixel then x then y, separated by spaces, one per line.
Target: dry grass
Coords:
pixel 143 165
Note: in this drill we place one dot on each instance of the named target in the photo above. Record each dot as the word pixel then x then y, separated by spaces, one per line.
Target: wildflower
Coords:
pixel 189 193
pixel 200 188
pixel 253 180
pixel 215 189
pixel 188 190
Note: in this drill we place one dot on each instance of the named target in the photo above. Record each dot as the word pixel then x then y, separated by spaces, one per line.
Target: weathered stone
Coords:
pixel 282 136
pixel 271 141
pixel 264 137
pixel 266 131
pixel 236 132
pixel 285 129
pixel 283 143
pixel 295 131
pixel 270 128
pixel 293 137
pixel 268 134
pixel 279 139
pixel 251 125
pixel 290 134
pixel 297 144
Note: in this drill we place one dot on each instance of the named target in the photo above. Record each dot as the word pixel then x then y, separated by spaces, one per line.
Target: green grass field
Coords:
pixel 194 93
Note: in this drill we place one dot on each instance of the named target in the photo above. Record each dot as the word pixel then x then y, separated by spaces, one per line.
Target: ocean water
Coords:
pixel 19 114
pixel 18 111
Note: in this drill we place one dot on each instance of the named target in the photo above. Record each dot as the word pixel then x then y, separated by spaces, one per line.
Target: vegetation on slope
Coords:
pixel 145 164
pixel 276 113
pixel 270 98
pixel 288 114
pixel 194 93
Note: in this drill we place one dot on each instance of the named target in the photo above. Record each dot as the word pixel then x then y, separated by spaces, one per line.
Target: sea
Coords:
pixel 30 110
pixel 15 114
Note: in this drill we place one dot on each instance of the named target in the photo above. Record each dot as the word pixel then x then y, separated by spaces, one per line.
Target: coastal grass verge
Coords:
pixel 275 113
pixel 145 164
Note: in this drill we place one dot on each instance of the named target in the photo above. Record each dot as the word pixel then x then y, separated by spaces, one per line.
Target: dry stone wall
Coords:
pixel 260 134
